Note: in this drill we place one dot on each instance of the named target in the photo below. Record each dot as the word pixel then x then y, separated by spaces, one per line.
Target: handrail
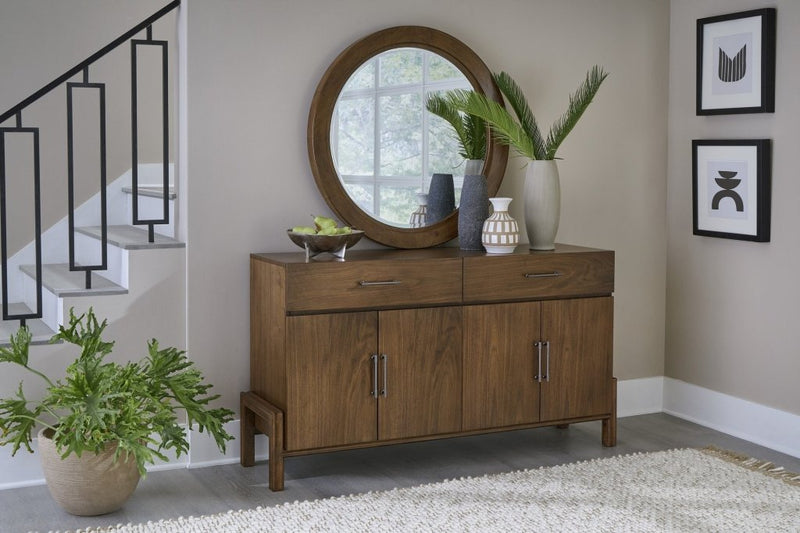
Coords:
pixel 17 109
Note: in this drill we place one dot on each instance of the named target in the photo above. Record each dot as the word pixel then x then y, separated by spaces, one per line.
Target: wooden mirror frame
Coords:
pixel 321 115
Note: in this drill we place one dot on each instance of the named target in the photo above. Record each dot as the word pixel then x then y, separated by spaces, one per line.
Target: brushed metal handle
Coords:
pixel 538 376
pixel 547 367
pixel 384 362
pixel 553 274
pixel 374 391
pixel 365 283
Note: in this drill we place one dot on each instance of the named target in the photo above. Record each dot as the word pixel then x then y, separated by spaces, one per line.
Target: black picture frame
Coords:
pixel 731 188
pixel 736 63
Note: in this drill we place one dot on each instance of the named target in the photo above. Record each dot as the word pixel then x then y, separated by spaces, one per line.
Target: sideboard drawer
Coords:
pixel 372 284
pixel 538 275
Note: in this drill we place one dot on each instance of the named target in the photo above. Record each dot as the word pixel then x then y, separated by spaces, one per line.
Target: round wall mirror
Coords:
pixel 372 145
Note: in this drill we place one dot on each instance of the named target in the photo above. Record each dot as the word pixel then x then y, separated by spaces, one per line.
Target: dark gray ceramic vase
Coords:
pixel 473 210
pixel 441 198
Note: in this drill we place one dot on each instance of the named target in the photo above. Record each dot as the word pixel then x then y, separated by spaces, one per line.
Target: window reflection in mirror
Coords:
pixel 384 143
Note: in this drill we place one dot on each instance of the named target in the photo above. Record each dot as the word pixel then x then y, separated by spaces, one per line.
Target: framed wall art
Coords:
pixel 736 63
pixel 731 188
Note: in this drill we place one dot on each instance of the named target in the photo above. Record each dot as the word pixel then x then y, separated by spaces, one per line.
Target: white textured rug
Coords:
pixel 674 491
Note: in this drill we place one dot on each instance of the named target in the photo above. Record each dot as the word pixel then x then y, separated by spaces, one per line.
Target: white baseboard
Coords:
pixel 640 396
pixel 756 423
pixel 760 424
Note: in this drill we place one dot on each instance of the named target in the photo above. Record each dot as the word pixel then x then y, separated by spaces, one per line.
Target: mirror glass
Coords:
pixel 372 146
pixel 385 144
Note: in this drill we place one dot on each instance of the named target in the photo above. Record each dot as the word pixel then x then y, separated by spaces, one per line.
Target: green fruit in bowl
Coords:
pixel 328 231
pixel 324 223
pixel 304 229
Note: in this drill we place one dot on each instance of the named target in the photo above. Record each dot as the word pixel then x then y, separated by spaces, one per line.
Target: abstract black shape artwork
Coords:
pixel 732 68
pixel 727 185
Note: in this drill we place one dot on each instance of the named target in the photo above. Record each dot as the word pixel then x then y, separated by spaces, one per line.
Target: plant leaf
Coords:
pixel 578 102
pixel 518 102
pixel 470 130
pixel 503 125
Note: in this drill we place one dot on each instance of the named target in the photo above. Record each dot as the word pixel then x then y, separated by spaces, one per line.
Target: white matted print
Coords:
pixel 731 188
pixel 736 63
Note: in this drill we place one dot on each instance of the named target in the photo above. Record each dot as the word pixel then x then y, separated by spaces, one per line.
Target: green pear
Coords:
pixel 304 229
pixel 344 230
pixel 324 222
pixel 328 231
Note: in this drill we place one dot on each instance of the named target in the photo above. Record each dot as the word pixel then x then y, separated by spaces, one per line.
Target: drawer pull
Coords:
pixel 364 283
pixel 553 274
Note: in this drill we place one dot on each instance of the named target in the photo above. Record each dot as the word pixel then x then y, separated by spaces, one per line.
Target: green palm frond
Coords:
pixel 516 98
pixel 470 130
pixel 506 130
pixel 578 102
pixel 524 134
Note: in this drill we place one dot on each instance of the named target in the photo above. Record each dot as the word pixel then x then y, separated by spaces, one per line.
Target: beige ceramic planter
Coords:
pixel 90 484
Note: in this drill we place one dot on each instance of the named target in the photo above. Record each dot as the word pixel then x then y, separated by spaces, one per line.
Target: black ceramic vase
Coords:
pixel 473 210
pixel 441 198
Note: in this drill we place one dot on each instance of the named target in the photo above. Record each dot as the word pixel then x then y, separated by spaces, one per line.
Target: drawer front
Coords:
pixel 372 284
pixel 526 276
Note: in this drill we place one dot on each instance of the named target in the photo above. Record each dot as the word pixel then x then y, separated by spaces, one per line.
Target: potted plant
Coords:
pixel 103 422
pixel 542 191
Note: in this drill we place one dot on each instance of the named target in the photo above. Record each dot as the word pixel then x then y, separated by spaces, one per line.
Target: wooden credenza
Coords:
pixel 394 346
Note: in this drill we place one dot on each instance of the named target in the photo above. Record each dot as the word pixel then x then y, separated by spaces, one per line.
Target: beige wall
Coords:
pixel 252 70
pixel 732 305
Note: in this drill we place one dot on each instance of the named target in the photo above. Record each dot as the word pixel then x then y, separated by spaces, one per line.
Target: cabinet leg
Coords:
pixel 247 433
pixel 610 424
pixel 260 414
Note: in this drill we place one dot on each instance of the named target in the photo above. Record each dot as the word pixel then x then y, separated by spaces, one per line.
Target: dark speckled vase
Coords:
pixel 441 198
pixel 473 210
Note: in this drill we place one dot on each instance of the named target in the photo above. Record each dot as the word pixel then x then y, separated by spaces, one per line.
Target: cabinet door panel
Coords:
pixel 581 344
pixel 423 372
pixel 500 365
pixel 329 401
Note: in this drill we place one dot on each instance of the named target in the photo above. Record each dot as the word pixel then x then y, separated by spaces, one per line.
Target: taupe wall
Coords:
pixel 252 70
pixel 732 306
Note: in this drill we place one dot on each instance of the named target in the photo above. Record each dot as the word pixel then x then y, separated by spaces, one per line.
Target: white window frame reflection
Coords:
pixel 376 181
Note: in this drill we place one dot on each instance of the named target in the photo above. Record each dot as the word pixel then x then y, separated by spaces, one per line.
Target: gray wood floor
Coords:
pixel 184 492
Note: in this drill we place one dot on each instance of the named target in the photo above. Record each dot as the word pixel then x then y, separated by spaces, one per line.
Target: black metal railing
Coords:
pixel 16 113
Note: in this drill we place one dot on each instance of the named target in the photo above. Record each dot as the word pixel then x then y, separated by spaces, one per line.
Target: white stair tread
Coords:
pixel 61 281
pixel 131 238
pixel 41 333
pixel 155 191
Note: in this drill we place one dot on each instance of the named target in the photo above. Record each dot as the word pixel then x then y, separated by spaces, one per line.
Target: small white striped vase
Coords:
pixel 500 232
pixel 419 218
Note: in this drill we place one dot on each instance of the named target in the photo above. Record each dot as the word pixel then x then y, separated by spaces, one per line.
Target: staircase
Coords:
pixel 88 253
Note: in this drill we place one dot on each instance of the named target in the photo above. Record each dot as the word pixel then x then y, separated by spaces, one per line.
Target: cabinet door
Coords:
pixel 500 365
pixel 420 371
pixel 330 379
pixel 581 344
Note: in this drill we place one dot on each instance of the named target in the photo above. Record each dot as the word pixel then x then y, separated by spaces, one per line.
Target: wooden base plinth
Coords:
pixel 258 414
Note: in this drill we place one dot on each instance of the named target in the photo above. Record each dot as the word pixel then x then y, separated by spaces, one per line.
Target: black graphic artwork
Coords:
pixel 728 184
pixel 732 69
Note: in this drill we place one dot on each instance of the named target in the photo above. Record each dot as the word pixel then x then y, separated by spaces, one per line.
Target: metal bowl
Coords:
pixel 336 245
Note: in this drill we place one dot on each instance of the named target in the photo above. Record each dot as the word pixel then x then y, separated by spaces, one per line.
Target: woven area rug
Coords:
pixel 683 490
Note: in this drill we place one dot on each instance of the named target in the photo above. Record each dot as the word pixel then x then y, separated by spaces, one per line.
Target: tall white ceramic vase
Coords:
pixel 542 195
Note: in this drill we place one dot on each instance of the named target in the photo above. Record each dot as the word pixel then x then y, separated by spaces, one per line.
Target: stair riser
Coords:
pixel 117 259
